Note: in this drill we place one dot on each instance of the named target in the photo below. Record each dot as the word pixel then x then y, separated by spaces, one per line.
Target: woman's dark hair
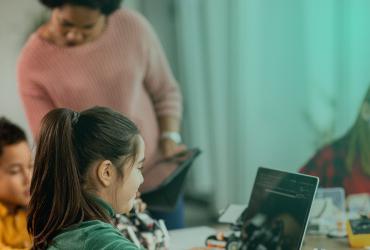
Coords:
pixel 69 143
pixel 10 134
pixel 106 7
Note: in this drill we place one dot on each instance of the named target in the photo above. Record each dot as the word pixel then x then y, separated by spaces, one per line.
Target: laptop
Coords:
pixel 283 197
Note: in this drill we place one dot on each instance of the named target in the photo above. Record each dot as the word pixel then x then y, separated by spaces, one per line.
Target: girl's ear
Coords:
pixel 105 173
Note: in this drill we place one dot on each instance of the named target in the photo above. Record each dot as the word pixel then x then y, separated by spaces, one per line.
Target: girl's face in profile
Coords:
pixel 15 174
pixel 72 25
pixel 127 187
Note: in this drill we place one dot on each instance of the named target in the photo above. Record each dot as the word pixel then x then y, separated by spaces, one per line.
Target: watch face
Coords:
pixel 174 136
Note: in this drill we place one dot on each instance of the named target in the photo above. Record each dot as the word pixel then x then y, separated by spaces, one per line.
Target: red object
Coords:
pixel 329 165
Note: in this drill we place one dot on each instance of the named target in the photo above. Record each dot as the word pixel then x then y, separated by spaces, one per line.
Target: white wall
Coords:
pixel 16 21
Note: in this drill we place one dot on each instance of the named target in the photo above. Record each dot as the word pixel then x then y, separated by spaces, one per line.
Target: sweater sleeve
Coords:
pixel 159 80
pixel 35 99
pixel 36 108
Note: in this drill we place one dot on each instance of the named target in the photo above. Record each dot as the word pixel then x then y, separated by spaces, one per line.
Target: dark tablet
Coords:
pixel 163 197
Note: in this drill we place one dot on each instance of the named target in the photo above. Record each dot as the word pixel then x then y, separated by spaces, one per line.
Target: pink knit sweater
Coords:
pixel 124 69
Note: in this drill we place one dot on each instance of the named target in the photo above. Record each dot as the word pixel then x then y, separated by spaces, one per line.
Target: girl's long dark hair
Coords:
pixel 69 142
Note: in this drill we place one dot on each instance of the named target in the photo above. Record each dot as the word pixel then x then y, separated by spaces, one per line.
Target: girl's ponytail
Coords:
pixel 56 185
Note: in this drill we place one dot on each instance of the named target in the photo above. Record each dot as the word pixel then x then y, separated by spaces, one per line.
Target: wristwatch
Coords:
pixel 172 135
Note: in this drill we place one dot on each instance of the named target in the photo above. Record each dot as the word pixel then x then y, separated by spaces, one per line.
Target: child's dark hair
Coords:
pixel 106 7
pixel 69 143
pixel 10 134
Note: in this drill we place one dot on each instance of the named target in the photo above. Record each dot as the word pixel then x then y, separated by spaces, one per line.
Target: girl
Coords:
pixel 87 168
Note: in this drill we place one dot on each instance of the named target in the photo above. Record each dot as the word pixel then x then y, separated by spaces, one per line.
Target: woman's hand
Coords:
pixel 170 148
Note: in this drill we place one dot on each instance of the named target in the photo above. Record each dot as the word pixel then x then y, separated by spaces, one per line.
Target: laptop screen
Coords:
pixel 283 199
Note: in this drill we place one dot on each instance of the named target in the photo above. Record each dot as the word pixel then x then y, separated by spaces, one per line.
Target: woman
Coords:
pixel 346 161
pixel 87 168
pixel 90 53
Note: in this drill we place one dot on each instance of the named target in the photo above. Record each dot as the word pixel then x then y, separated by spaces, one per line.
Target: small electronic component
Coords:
pixel 359 232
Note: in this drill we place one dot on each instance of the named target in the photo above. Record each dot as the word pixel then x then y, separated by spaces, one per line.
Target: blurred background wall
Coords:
pixel 265 83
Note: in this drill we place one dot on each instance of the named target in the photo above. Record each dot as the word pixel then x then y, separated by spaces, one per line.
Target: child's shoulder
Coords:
pixel 93 234
pixel 13 228
pixel 3 210
pixel 19 214
pixel 105 235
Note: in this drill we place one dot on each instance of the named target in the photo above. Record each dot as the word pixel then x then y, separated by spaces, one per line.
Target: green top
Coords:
pixel 93 234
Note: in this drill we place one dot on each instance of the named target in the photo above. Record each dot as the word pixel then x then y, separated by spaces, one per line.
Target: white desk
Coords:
pixel 185 239
pixel 310 242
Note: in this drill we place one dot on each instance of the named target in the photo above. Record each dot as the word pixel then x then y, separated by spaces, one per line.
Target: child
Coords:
pixel 345 162
pixel 15 178
pixel 87 168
